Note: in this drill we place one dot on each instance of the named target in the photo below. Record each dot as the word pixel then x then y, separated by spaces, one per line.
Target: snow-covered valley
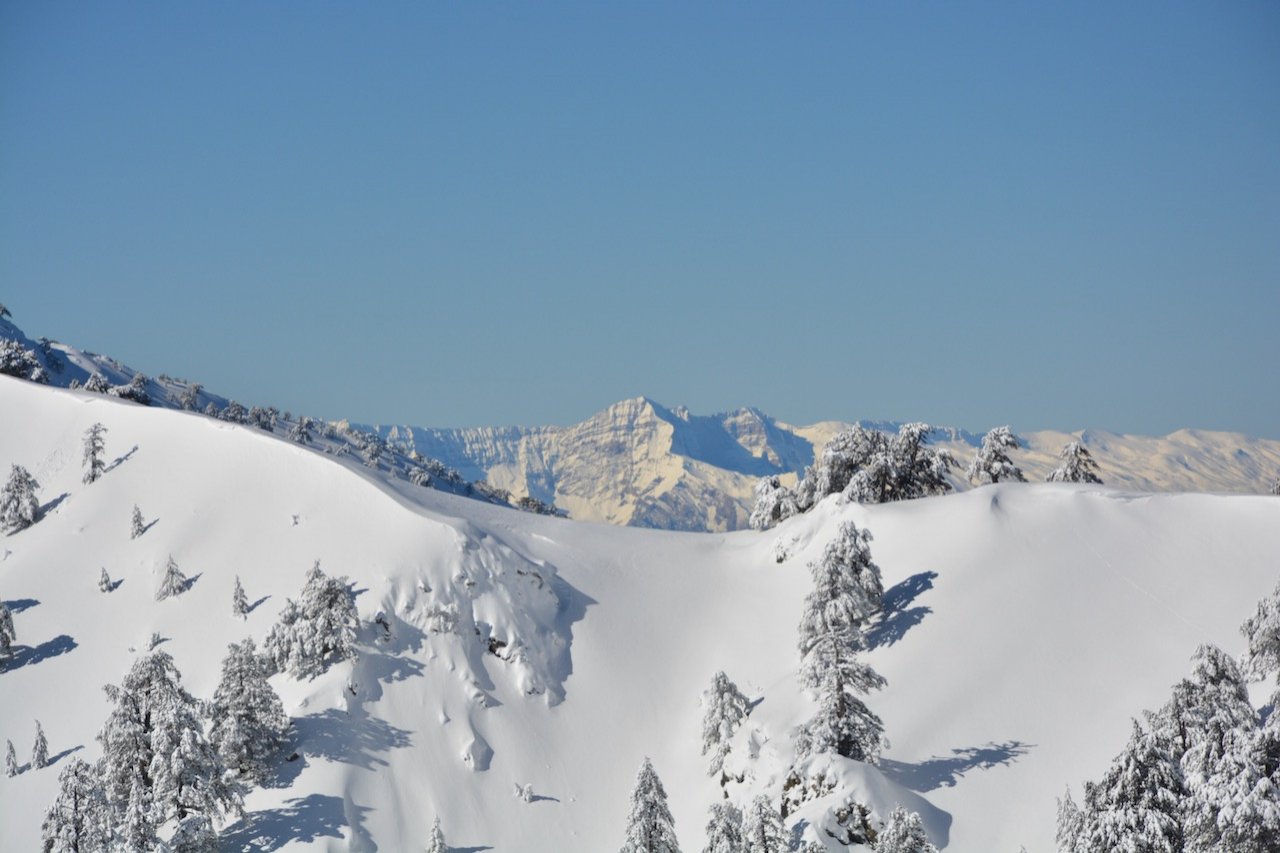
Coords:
pixel 1024 626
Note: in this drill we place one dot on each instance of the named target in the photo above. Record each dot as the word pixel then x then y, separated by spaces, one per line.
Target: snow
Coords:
pixel 1026 624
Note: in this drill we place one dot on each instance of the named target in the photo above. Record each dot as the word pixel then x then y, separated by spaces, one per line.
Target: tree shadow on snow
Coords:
pixel 54 759
pixel 53 504
pixel 31 655
pixel 17 605
pixel 150 524
pixel 470 849
pixel 939 772
pixel 303 819
pixel 120 460
pixel 351 738
pixel 896 618
pixel 256 604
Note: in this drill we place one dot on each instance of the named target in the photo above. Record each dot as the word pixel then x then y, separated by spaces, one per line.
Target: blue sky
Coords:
pixel 1051 215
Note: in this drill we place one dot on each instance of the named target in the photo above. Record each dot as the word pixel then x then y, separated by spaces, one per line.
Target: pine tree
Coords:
pixel 316 631
pixel 650 827
pixel 846 590
pixel 194 834
pixel 903 833
pixel 436 843
pixel 156 763
pixel 239 603
pixel 724 829
pixel 97 383
pixel 726 708
pixel 774 502
pixel 1137 804
pixel 1262 634
pixel 1070 835
pixel 79 821
pixel 868 466
pixel 136 527
pixel 247 720
pixel 10 760
pixel 104 581
pixel 39 749
pixel 173 583
pixel 991 464
pixel 93 448
pixel 762 828
pixel 7 634
pixel 1075 465
pixel 19 506
pixel 190 399
pixel 301 430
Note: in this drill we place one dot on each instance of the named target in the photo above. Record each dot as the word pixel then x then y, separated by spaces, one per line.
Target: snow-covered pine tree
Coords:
pixel 104 580
pixel 93 448
pixel 436 842
pixel 156 763
pixel 79 821
pixel 136 527
pixel 1075 465
pixel 211 409
pixel 40 749
pixel 991 463
pixel 136 821
pixel 19 506
pixel 190 399
pixel 724 829
pixel 1261 659
pixel 762 828
pixel 194 834
pixel 1275 487
pixel 10 760
pixel 904 833
pixel 774 502
pixel 1136 805
pixel 301 430
pixel 1070 835
pixel 7 634
pixel 316 631
pixel 650 827
pixel 247 720
pixel 97 383
pixel 726 708
pixel 173 583
pixel 239 603
pixel 17 360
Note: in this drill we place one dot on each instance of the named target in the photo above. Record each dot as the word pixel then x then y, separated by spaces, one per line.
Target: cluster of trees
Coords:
pixel 39 753
pixel 17 360
pixel 1202 773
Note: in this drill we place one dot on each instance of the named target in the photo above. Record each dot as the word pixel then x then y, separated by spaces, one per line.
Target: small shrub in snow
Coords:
pixel 317 630
pixel 173 583
pixel 726 708
pixel 991 464
pixel 650 827
pixel 40 749
pixel 1075 465
pixel 904 833
pixel 93 448
pixel 19 506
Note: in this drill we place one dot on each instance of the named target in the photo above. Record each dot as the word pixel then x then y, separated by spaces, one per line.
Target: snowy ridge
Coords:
pixel 516 649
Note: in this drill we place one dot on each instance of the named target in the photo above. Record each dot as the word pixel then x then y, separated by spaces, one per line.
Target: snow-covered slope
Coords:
pixel 1026 625
pixel 642 464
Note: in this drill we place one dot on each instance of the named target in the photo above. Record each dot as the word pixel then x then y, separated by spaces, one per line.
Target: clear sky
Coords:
pixel 1056 215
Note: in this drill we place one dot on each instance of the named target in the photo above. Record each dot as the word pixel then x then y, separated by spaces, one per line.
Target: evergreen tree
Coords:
pixel 762 828
pixel 104 581
pixel 726 708
pixel 136 527
pixel 1137 804
pixel 774 502
pixel 19 506
pixel 436 843
pixel 1262 634
pixel 93 448
pixel 991 464
pixel 1070 836
pixel 247 721
pixel 301 430
pixel 195 834
pixel 156 763
pixel 10 760
pixel 190 399
pixel 1275 487
pixel 724 829
pixel 650 827
pixel 868 466
pixel 79 821
pixel 903 833
pixel 173 583
pixel 7 634
pixel 239 603
pixel 40 749
pixel 97 383
pixel 317 630
pixel 17 360
pixel 1075 465
pixel 846 590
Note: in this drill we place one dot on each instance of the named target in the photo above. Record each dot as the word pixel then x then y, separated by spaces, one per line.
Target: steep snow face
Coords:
pixel 1024 626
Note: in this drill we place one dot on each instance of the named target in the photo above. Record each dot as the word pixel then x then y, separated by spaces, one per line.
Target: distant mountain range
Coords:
pixel 642 464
